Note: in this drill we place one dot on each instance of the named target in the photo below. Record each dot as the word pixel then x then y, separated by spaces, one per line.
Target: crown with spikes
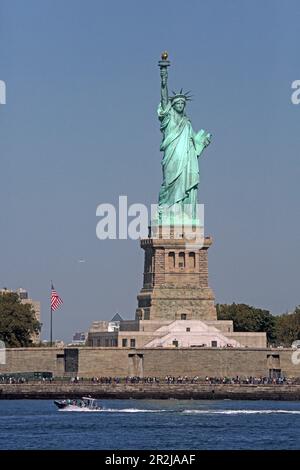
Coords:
pixel 180 95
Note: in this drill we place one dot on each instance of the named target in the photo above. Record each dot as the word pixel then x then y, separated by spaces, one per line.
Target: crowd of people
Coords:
pixel 4 379
pixel 169 379
pixel 249 380
pixel 13 380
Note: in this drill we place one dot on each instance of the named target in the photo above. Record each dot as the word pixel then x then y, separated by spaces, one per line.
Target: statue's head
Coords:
pixel 179 100
pixel 179 105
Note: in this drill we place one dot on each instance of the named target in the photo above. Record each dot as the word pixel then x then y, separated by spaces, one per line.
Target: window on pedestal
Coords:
pixel 146 314
pixel 181 262
pixel 150 263
pixel 124 343
pixel 171 260
pixel 192 260
pixel 132 343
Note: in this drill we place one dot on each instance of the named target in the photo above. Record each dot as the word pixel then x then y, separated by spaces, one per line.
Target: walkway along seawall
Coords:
pixel 151 391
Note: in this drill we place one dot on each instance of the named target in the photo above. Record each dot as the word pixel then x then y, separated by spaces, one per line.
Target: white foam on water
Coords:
pixel 110 410
pixel 239 412
pixel 131 410
pixel 83 410
pixel 187 412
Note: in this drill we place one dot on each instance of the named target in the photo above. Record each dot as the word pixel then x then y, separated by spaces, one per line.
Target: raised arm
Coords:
pixel 164 87
pixel 163 64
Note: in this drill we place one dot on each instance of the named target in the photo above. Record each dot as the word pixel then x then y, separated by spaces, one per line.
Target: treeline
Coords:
pixel 281 330
pixel 18 323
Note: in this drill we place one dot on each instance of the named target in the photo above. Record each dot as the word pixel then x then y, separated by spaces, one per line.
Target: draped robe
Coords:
pixel 181 147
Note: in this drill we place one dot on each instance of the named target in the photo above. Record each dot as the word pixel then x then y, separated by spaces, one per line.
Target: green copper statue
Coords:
pixel 181 146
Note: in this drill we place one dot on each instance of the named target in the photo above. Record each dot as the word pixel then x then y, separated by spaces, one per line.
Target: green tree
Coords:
pixel 288 327
pixel 17 321
pixel 247 318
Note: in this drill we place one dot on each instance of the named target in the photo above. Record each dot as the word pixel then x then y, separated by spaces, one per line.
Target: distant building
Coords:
pixel 79 338
pixel 58 343
pixel 114 324
pixel 36 305
pixel 105 333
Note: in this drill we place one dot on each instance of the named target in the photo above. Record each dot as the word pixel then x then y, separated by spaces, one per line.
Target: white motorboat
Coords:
pixel 81 404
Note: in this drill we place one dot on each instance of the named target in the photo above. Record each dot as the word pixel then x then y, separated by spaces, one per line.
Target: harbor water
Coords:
pixel 151 424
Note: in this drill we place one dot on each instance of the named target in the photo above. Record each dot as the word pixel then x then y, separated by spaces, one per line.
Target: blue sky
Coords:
pixel 80 128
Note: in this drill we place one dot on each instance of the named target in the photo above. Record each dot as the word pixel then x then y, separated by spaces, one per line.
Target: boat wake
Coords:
pixel 185 412
pixel 112 410
pixel 82 410
pixel 240 412
pixel 132 410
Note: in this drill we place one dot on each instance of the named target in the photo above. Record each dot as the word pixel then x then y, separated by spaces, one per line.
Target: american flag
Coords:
pixel 56 301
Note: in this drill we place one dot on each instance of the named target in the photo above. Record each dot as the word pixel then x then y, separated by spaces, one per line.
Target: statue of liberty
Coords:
pixel 182 147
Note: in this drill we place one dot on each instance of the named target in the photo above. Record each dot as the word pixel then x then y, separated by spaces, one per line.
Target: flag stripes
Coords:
pixel 56 300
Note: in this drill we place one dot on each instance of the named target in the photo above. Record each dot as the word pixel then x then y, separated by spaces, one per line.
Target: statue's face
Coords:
pixel 179 106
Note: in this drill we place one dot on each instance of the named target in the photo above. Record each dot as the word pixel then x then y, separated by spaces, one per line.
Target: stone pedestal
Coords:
pixel 175 283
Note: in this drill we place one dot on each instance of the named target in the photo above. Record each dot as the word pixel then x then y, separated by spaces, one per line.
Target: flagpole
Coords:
pixel 51 328
pixel 55 302
pixel 51 316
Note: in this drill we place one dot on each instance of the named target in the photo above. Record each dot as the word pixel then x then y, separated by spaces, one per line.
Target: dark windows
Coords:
pixel 192 260
pixel 171 257
pixel 181 263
